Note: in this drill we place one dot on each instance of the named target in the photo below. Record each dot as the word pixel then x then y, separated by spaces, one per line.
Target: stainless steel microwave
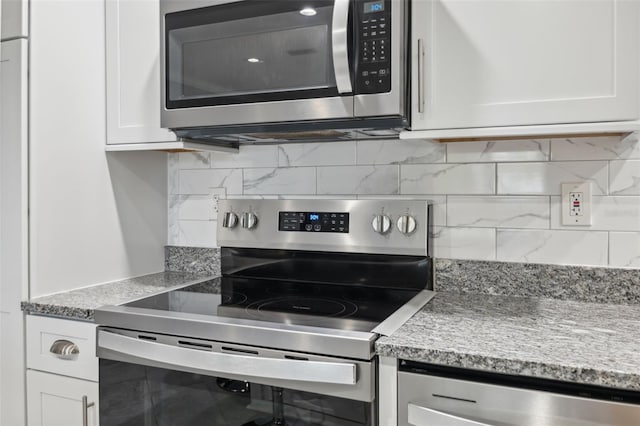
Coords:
pixel 302 66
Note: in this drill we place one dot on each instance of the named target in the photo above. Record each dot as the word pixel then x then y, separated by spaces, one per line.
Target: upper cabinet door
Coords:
pixel 15 19
pixel 524 62
pixel 133 72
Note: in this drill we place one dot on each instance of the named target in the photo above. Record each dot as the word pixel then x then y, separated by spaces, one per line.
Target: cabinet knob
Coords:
pixel 249 220
pixel 406 224
pixel 381 224
pixel 229 220
pixel 64 349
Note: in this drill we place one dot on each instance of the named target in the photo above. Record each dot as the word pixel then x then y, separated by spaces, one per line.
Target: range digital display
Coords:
pixel 374 6
pixel 313 222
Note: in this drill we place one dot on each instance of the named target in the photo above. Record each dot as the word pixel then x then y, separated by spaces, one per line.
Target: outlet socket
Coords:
pixel 576 204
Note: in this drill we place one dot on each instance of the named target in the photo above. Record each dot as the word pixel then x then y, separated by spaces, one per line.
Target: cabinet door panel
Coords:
pixel 525 62
pixel 54 400
pixel 133 72
pixel 13 227
pixel 15 19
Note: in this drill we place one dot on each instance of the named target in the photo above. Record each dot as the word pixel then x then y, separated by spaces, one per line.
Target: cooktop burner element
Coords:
pixel 306 306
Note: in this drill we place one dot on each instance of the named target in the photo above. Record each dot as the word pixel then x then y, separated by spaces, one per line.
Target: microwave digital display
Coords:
pixel 374 6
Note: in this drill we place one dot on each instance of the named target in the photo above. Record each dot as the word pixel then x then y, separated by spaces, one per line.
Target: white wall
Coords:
pixel 495 200
pixel 94 217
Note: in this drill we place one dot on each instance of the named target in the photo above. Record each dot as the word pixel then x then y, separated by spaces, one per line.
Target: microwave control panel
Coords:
pixel 373 73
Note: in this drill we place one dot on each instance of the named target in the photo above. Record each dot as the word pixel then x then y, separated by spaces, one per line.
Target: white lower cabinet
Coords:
pixel 54 400
pixel 62 372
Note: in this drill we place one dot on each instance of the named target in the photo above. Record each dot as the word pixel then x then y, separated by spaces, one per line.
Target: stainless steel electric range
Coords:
pixel 286 335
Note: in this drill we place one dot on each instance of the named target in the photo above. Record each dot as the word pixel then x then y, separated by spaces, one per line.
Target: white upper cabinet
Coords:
pixel 133 73
pixel 15 19
pixel 492 63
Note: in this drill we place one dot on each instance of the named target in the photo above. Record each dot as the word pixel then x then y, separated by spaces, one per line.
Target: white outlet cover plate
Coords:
pixel 567 218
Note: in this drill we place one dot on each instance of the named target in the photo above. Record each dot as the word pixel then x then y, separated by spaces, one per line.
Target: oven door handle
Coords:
pixel 340 47
pixel 424 416
pixel 136 351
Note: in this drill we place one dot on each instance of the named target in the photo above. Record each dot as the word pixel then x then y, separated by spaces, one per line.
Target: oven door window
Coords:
pixel 137 395
pixel 249 51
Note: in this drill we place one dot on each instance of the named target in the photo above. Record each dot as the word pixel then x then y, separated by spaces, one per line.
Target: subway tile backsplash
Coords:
pixel 497 200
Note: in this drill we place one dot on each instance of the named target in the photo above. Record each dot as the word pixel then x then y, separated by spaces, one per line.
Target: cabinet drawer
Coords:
pixel 46 336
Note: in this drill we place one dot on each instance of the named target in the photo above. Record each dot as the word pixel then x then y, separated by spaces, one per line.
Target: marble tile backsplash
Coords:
pixel 493 200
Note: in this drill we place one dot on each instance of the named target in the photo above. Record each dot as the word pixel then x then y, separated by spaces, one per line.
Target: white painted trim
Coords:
pixel 388 391
pixel 164 146
pixel 519 131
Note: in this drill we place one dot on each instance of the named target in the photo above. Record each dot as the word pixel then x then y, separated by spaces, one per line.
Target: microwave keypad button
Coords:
pixel 365 73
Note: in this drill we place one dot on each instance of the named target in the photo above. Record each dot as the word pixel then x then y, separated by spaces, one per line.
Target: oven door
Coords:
pixel 254 61
pixel 159 380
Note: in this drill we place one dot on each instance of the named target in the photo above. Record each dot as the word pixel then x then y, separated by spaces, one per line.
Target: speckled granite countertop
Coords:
pixel 80 304
pixel 579 342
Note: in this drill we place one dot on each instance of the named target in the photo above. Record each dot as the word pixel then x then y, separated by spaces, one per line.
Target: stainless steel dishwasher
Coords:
pixel 430 395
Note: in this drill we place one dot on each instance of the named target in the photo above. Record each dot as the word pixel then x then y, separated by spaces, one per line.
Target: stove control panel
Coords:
pixel 314 222
pixel 382 226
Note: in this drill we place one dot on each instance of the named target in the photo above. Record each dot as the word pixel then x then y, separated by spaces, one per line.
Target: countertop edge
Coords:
pixel 514 367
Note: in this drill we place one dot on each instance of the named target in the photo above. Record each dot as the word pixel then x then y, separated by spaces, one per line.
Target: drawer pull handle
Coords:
pixel 85 408
pixel 64 349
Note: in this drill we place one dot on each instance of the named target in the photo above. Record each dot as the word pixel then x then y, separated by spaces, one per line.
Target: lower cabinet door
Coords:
pixel 54 400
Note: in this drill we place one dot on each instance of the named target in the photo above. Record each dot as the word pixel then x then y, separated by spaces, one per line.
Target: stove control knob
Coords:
pixel 229 220
pixel 249 220
pixel 381 224
pixel 406 224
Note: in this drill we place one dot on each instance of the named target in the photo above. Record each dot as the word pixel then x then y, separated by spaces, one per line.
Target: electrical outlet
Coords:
pixel 576 199
pixel 216 194
pixel 576 204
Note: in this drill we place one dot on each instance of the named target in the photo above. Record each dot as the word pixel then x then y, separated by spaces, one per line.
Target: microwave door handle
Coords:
pixel 339 40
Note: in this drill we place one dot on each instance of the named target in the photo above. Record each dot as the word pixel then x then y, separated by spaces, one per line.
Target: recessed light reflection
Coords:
pixel 253 60
pixel 308 11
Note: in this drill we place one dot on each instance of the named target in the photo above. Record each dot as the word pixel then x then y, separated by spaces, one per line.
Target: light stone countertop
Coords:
pixel 580 342
pixel 80 304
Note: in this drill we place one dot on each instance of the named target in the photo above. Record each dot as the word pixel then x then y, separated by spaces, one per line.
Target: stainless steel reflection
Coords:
pixel 360 239
pixel 340 343
pixel 262 112
pixel 170 6
pixel 213 363
pixel 427 400
pixel 340 47
pixel 290 370
pixel 422 416
pixel 402 315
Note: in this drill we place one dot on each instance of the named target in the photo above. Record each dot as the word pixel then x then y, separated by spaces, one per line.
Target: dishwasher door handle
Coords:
pixel 173 357
pixel 423 416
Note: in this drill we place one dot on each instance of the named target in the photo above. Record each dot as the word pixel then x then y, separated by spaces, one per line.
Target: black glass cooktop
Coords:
pixel 346 307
